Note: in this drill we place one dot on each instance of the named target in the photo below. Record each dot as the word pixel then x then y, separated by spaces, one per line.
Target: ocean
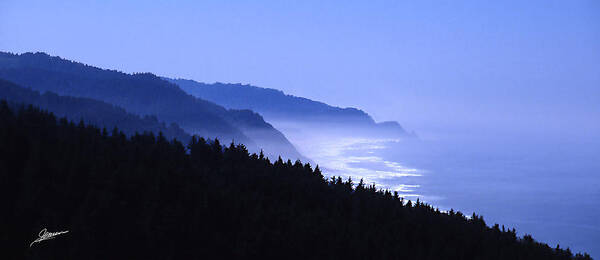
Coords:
pixel 546 187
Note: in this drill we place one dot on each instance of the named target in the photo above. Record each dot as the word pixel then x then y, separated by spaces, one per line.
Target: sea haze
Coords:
pixel 542 185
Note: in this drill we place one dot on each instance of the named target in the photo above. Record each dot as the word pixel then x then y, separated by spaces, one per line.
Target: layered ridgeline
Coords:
pixel 91 111
pixel 288 110
pixel 145 197
pixel 145 94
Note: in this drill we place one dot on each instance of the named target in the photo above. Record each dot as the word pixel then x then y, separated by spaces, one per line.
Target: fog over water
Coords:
pixel 504 95
pixel 541 184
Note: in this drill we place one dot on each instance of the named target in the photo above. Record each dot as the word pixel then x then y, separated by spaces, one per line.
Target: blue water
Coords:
pixel 546 187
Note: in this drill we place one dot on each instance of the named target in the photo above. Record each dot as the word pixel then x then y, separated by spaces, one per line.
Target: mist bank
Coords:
pixel 146 94
pixel 548 178
pixel 293 112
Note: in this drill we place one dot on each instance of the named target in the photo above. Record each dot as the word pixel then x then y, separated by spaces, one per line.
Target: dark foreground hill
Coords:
pixel 146 197
pixel 91 111
pixel 277 106
pixel 145 94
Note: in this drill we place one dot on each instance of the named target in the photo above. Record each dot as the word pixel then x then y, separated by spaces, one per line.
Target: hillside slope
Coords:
pixel 145 94
pixel 147 198
pixel 93 112
pixel 275 105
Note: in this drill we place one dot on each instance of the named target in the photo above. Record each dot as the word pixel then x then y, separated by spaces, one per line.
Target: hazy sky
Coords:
pixel 439 64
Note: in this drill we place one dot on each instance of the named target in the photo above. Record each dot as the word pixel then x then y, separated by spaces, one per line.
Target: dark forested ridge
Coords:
pixel 276 105
pixel 144 94
pixel 146 197
pixel 93 112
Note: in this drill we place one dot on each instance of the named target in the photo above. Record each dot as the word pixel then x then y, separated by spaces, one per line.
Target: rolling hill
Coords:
pixel 145 94
pixel 276 106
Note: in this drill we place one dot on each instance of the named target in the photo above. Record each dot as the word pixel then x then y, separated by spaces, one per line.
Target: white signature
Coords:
pixel 45 235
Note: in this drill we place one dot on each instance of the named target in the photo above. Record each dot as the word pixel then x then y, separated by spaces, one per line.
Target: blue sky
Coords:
pixel 530 65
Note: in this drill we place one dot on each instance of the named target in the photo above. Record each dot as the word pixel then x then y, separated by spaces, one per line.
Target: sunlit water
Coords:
pixel 544 187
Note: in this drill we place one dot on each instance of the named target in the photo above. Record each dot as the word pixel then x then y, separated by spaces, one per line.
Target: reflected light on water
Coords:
pixel 353 157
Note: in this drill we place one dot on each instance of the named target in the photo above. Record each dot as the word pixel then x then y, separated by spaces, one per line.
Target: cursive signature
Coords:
pixel 45 235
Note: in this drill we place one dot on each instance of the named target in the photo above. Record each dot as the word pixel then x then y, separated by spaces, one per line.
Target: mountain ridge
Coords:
pixel 145 94
pixel 276 105
pixel 91 111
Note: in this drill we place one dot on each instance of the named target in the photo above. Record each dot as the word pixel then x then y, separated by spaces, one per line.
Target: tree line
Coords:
pixel 148 197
